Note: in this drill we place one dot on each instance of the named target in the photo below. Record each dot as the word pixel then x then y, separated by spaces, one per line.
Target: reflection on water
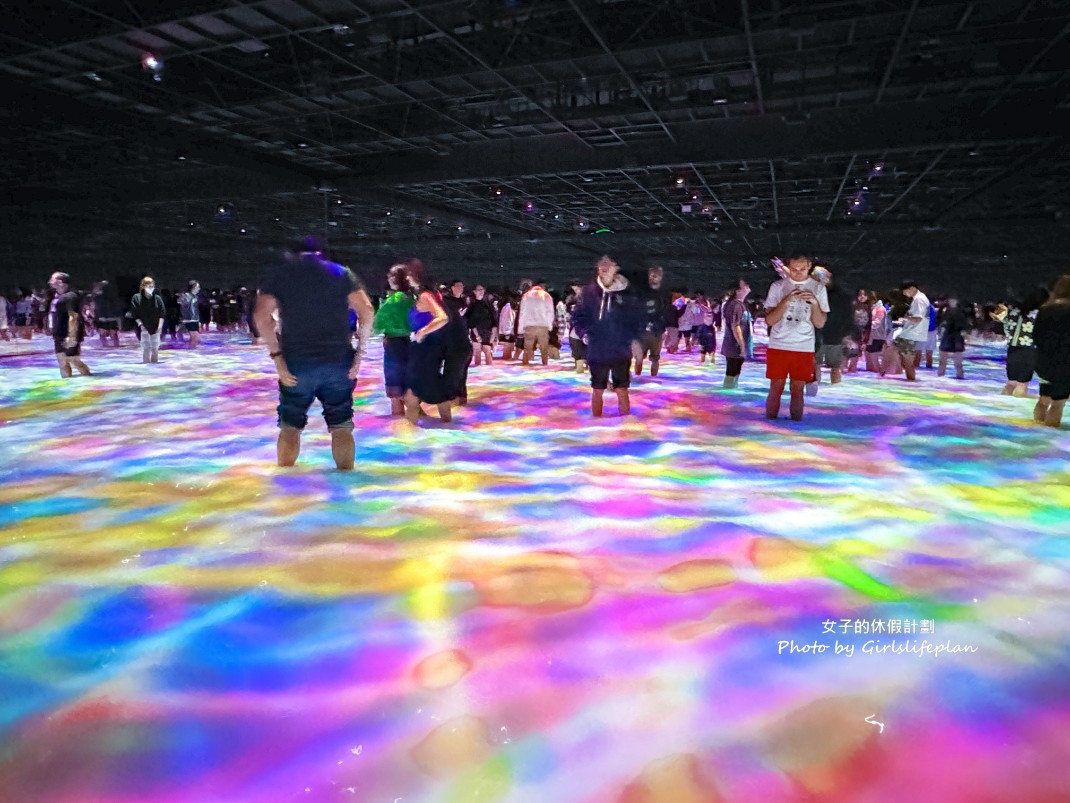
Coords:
pixel 691 605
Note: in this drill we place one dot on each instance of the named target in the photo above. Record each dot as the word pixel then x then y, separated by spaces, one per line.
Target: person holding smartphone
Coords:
pixel 795 307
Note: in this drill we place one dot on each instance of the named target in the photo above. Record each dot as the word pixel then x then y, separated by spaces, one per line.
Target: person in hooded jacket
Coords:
pixel 655 303
pixel 607 320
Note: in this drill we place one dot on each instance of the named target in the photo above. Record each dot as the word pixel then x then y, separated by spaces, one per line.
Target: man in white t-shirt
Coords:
pixel 915 330
pixel 794 307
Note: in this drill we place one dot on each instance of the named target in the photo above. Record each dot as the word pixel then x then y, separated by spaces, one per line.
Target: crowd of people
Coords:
pixel 106 314
pixel 309 308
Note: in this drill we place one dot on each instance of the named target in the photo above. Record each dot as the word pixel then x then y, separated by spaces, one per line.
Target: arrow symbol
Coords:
pixel 872 721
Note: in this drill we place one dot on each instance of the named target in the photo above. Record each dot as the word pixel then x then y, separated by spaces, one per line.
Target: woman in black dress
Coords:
pixel 1052 336
pixel 424 374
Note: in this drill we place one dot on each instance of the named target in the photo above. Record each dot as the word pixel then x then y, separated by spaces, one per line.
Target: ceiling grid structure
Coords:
pixel 879 135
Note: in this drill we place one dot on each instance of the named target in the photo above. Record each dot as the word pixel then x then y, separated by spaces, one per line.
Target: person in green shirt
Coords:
pixel 392 321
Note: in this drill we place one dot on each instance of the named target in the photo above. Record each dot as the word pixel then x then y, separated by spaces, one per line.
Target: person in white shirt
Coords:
pixel 915 330
pixel 795 307
pixel 535 320
pixel 506 325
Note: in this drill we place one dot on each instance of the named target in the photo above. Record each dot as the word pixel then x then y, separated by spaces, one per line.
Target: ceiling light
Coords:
pixel 276 220
pixel 181 158
pixel 150 62
pixel 302 144
pixel 679 181
pixel 243 230
pixel 92 76
pixel 191 223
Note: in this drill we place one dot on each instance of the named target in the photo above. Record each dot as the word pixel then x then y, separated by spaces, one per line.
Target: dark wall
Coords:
pixel 970 266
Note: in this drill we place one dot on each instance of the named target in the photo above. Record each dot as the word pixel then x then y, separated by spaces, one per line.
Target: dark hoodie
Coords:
pixel 609 319
pixel 656 308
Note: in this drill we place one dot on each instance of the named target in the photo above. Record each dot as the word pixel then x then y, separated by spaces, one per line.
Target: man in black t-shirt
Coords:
pixel 67 327
pixel 315 359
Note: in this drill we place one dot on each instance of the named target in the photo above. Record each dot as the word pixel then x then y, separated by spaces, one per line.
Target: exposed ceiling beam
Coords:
pixel 843 183
pixel 755 75
pixel 1053 147
pixel 772 180
pixel 895 52
pixel 828 132
pixel 1040 54
pixel 638 90
pixel 475 57
pixel 914 183
pixel 712 194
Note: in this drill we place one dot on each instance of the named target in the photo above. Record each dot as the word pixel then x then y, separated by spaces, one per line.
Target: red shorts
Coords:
pixel 780 364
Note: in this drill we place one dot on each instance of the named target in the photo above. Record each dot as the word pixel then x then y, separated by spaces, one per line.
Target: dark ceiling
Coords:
pixel 497 138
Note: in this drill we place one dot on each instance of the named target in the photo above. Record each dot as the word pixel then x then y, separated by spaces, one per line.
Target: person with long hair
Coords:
pixel 1052 336
pixel 392 322
pixel 1018 320
pixel 149 312
pixel 428 318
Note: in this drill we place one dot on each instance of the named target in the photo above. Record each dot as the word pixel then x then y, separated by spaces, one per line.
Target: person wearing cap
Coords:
pixel 915 332
pixel 315 358
pixel 795 307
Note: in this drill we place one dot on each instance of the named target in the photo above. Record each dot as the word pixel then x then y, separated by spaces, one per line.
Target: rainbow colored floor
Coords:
pixel 528 605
